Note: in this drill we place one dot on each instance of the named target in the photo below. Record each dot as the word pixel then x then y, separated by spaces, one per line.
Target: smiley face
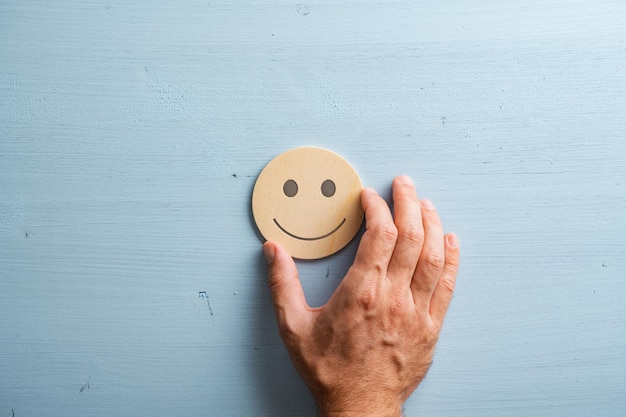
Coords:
pixel 308 200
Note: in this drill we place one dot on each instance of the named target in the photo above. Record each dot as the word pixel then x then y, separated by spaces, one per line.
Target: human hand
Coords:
pixel 366 350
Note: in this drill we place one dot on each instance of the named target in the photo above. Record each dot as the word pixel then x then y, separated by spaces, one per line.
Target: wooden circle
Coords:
pixel 309 200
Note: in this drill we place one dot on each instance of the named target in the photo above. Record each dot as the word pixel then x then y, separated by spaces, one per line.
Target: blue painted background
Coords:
pixel 131 132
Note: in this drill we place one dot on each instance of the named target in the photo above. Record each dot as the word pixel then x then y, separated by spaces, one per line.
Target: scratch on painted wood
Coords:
pixel 204 296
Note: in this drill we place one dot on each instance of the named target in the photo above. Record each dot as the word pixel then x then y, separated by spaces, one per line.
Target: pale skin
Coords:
pixel 367 349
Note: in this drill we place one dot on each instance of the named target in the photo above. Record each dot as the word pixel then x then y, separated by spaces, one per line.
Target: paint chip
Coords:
pixel 303 9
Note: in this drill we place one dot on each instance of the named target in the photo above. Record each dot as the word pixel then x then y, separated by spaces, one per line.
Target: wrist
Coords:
pixel 386 413
pixel 362 410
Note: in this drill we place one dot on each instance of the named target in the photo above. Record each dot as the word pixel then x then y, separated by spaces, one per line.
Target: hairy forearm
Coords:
pixel 363 408
pixel 387 413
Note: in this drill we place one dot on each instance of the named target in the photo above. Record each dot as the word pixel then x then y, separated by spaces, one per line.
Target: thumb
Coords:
pixel 289 301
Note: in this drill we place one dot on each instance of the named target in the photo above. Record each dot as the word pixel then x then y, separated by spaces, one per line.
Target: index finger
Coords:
pixel 408 220
pixel 379 239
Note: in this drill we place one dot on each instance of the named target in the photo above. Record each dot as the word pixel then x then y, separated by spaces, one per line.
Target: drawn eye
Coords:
pixel 328 188
pixel 290 188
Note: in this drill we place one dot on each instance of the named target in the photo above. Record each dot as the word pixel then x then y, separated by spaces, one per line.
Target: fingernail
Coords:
pixel 453 241
pixel 270 253
pixel 405 180
pixel 427 204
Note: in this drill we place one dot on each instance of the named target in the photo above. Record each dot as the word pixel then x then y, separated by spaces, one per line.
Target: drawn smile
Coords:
pixel 309 238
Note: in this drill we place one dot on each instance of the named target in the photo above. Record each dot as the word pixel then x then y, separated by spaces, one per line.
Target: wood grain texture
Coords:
pixel 131 133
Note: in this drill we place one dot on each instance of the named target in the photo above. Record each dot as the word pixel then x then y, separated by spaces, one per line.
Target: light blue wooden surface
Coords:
pixel 131 133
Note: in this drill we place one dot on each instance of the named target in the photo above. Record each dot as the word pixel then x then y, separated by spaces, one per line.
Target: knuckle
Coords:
pixel 367 297
pixel 275 283
pixel 434 262
pixel 452 262
pixel 387 233
pixel 431 217
pixel 448 285
pixel 407 193
pixel 413 234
